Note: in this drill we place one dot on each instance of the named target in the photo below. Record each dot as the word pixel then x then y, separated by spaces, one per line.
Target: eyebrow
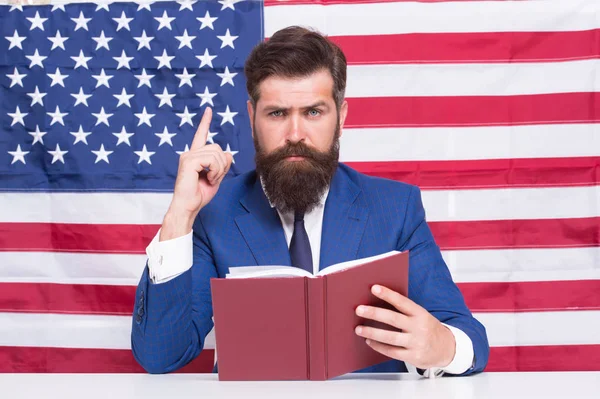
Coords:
pixel 271 108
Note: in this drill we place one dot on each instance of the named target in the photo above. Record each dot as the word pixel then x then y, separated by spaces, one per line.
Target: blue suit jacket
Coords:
pixel 363 216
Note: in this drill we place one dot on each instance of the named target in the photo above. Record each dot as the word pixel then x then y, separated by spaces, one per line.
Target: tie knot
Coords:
pixel 298 216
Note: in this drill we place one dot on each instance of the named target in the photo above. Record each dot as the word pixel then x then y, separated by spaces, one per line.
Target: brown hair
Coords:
pixel 295 52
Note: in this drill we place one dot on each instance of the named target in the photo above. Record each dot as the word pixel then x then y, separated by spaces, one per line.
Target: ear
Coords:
pixel 343 114
pixel 251 116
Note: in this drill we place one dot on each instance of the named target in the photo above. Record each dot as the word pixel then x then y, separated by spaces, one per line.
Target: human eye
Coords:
pixel 314 112
pixel 276 113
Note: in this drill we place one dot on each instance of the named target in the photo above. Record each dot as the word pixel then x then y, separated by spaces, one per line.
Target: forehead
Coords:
pixel 290 92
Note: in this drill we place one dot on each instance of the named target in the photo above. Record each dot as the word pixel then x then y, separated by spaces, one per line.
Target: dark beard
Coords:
pixel 296 186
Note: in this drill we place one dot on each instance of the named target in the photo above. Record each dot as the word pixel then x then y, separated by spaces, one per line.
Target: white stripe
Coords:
pixel 472 79
pixel 109 208
pixel 542 328
pixel 504 265
pixel 484 204
pixel 512 203
pixel 113 332
pixel 469 143
pixel 69 331
pixel 411 17
pixel 512 265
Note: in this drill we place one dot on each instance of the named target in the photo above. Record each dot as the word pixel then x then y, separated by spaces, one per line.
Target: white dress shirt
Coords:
pixel 168 259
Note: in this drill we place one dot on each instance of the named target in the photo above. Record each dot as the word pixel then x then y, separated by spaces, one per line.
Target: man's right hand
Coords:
pixel 201 171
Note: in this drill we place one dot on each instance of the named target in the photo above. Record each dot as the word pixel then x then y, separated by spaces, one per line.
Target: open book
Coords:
pixel 282 323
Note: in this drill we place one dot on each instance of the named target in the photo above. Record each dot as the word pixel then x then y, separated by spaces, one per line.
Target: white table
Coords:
pixel 363 386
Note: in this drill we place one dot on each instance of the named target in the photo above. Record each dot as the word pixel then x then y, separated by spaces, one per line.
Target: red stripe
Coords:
pixel 480 297
pixel 545 358
pixel 531 296
pixel 488 173
pixel 466 47
pixel 485 234
pixel 536 233
pixel 269 3
pixel 67 360
pixel 65 237
pixel 473 110
pixel 15 359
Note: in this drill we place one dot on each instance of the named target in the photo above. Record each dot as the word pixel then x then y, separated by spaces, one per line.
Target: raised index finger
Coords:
pixel 202 133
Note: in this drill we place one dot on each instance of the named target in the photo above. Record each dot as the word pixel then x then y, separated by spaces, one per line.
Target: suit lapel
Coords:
pixel 262 230
pixel 344 221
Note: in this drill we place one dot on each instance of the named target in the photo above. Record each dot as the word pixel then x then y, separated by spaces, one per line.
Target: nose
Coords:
pixel 296 131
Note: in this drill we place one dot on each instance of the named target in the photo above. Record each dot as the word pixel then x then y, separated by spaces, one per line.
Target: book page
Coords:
pixel 266 271
pixel 353 263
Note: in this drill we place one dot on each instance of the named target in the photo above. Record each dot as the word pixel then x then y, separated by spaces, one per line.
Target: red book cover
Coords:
pixel 274 323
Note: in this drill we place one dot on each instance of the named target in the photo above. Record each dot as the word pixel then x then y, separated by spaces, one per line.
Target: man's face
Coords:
pixel 296 129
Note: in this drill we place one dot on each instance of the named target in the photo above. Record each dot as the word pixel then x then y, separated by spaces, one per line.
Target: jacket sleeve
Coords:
pixel 431 285
pixel 171 320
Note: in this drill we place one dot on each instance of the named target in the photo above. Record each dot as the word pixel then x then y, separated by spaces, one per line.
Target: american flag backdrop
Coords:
pixel 490 107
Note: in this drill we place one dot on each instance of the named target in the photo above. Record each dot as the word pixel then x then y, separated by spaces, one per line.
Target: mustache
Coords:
pixel 298 149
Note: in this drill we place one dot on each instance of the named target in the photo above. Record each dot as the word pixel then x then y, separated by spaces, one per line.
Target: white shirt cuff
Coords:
pixel 168 259
pixel 463 357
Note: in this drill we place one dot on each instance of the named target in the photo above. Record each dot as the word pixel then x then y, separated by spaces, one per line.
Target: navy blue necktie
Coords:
pixel 300 252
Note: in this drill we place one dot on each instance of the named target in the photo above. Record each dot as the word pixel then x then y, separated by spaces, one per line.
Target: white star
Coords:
pixel 165 98
pixel 81 22
pixel 164 60
pixel 58 7
pixel 231 152
pixel 165 137
pixel 164 21
pixel 123 22
pixel 18 155
pixel 102 154
pixel 57 154
pixel 227 77
pixel 123 137
pixel 103 6
pixel 228 4
pixel 185 40
pixel 58 41
pixel 207 21
pixel 227 116
pixel 209 138
pixel 81 60
pixel 57 116
pixel 37 22
pixel 102 41
pixel 227 40
pixel 57 78
pixel 144 41
pixel 185 78
pixel 186 149
pixel 36 59
pixel 37 97
pixel 16 7
pixel 102 117
pixel 144 79
pixel 124 98
pixel 37 135
pixel 16 78
pixel 81 136
pixel 186 117
pixel 18 116
pixel 144 118
pixel 206 59
pixel 123 61
pixel 15 40
pixel 206 97
pixel 144 5
pixel 144 155
pixel 81 98
pixel 186 4
pixel 102 79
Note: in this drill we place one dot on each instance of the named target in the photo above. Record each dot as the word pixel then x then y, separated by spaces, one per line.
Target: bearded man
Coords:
pixel 302 208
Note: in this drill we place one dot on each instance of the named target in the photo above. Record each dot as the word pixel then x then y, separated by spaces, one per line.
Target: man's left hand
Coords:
pixel 423 341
